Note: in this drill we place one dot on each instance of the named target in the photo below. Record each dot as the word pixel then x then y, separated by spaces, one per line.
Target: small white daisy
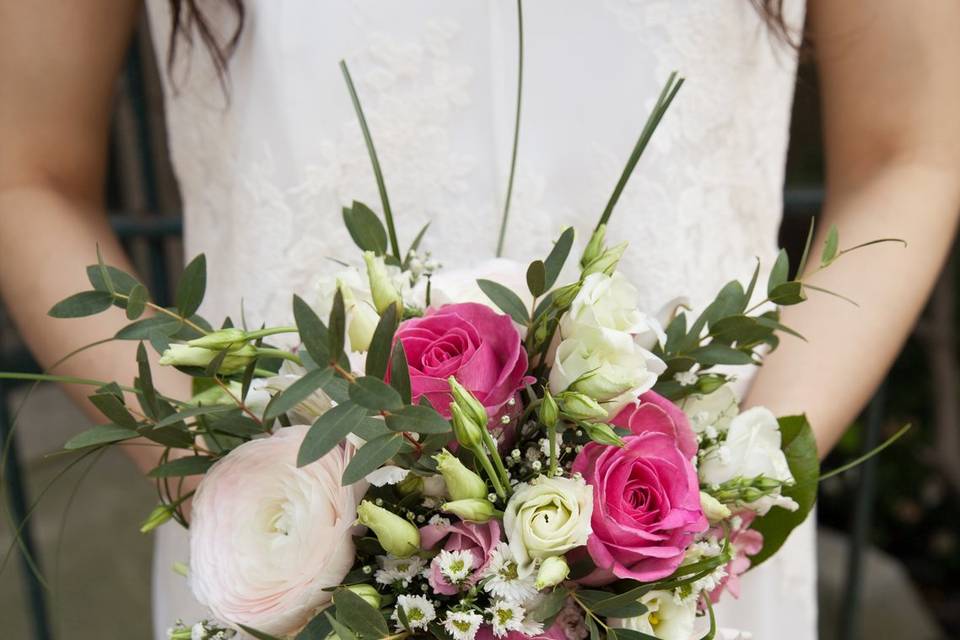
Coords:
pixel 393 569
pixel 418 610
pixel 455 566
pixel 686 378
pixel 504 578
pixel 463 625
pixel 506 616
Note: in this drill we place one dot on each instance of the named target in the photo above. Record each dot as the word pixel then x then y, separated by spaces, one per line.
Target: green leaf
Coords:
pixel 378 354
pixel 100 435
pixel 338 326
pixel 340 630
pixel 537 278
pixel 788 293
pixel 259 635
pixel 115 411
pixel 631 634
pixel 415 245
pixel 365 228
pixel 400 372
pixel 622 605
pixel 146 328
pixel 189 466
pixel 592 626
pixel 318 628
pixel 147 394
pixel 371 456
pixel 236 425
pixel 800 448
pixel 558 256
pixel 328 430
pixel 748 294
pixel 298 392
pixel 508 302
pixel 122 282
pixel 830 246
pixel 779 273
pixel 374 393
pixel 313 333
pixel 359 615
pixel 192 286
pixel 137 302
pixel 716 353
pixel 676 332
pixel 79 305
pixel 806 247
pixel 549 606
pixel 419 419
pixel 191 412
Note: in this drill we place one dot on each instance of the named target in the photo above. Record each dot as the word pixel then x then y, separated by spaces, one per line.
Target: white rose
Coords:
pixel 666 618
pixel 751 449
pixel 714 410
pixel 547 517
pixel 606 365
pixel 267 539
pixel 611 302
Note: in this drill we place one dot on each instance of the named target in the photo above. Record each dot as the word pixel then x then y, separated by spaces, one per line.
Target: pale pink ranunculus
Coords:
pixel 478 540
pixel 482 349
pixel 646 507
pixel 651 412
pixel 267 538
pixel 745 542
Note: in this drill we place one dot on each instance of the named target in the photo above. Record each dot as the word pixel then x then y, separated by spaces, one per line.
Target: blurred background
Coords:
pixel 889 551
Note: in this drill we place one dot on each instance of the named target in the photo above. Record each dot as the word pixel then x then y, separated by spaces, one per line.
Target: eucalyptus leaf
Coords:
pixel 236 425
pixel 313 332
pixel 779 273
pixel 365 228
pixel 298 392
pixel 192 286
pixel 144 384
pixel 378 355
pixel 328 430
pixel 189 466
pixel 716 353
pixel 400 372
pixel 537 278
pixel 549 606
pixel 337 327
pixel 145 328
pixel 122 281
pixel 340 630
pixel 830 246
pixel 137 302
pixel 100 435
pixel 79 305
pixel 359 615
pixel 507 301
pixel 115 411
pixel 418 419
pixel 374 393
pixel 371 456
pixel 788 293
pixel 558 256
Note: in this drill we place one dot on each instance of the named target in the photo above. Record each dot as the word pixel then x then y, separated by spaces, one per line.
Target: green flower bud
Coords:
pixel 764 483
pixel 410 485
pixel 580 406
pixel 184 355
pixel 470 405
pixel 462 483
pixel 472 510
pixel 549 412
pixel 553 571
pixel 220 340
pixel 713 509
pixel 381 286
pixel 157 517
pixel 466 431
pixel 606 262
pixel 565 295
pixel 603 434
pixel 594 247
pixel 370 595
pixel 362 319
pixel 396 535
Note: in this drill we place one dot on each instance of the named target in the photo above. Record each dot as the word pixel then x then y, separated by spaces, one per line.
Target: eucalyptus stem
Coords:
pixel 374 160
pixel 516 132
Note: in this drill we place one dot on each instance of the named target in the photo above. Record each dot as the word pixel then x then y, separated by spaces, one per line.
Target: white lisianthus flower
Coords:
pixel 547 517
pixel 751 449
pixel 418 610
pixel 267 539
pixel 711 411
pixel 606 365
pixel 611 302
pixel 667 617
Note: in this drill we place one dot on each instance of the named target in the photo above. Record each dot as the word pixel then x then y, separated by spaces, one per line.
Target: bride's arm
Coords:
pixel 891 109
pixel 58 66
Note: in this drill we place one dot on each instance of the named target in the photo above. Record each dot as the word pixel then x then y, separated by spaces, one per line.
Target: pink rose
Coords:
pixel 476 539
pixel 479 347
pixel 745 542
pixel 646 507
pixel 654 413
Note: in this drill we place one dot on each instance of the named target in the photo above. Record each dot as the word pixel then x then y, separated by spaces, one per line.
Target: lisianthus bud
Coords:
pixel 594 247
pixel 603 433
pixel 465 430
pixel 580 406
pixel 410 485
pixel 370 595
pixel 220 340
pixel 713 508
pixel 553 571
pixel 184 355
pixel 565 295
pixel 396 535
pixel 470 405
pixel 549 412
pixel 472 509
pixel 606 262
pixel 462 483
pixel 362 319
pixel 381 287
pixel 156 518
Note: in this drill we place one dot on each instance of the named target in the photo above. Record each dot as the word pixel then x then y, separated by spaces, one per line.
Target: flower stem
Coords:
pixel 280 353
pixel 491 445
pixel 481 455
pixel 516 131
pixel 552 435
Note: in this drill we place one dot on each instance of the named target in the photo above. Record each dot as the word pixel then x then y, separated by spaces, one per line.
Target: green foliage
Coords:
pixel 328 430
pixel 192 286
pixel 365 228
pixel 79 305
pixel 100 435
pixel 358 615
pixel 189 466
pixel 371 456
pixel 400 372
pixel 137 302
pixel 374 393
pixel 553 265
pixel 418 419
pixel 297 392
pixel 537 278
pixel 337 324
pixel 508 302
pixel 378 355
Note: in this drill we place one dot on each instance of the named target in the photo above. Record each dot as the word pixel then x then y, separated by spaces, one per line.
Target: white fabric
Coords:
pixel 263 179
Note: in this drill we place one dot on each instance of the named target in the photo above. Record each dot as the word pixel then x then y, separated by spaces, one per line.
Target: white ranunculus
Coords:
pixel 604 364
pixel 547 517
pixel 713 410
pixel 611 302
pixel 451 286
pixel 751 449
pixel 666 618
pixel 267 539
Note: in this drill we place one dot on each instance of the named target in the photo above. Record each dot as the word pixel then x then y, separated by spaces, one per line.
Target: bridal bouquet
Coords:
pixel 514 451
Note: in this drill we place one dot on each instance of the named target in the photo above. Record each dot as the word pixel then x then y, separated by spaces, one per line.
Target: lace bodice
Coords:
pixel 264 173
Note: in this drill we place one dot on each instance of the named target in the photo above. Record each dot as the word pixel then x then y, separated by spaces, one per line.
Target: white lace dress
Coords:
pixel 264 178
